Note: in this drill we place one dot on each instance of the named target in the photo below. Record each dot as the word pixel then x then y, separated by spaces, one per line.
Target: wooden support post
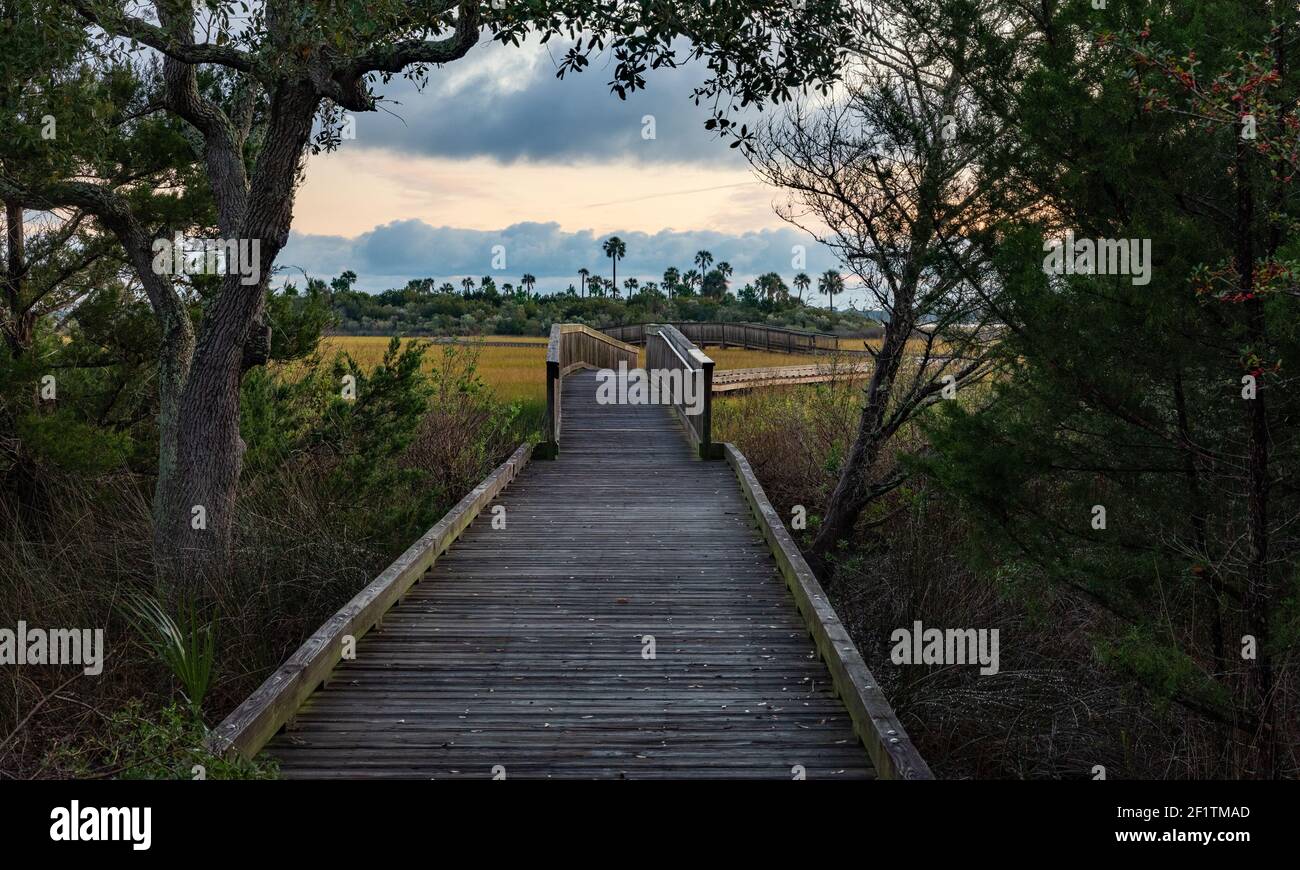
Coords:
pixel 550 447
pixel 708 450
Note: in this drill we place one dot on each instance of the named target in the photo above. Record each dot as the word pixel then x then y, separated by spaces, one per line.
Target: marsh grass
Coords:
pixel 513 373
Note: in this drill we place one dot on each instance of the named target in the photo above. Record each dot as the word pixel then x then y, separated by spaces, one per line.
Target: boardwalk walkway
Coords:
pixel 773 376
pixel 524 651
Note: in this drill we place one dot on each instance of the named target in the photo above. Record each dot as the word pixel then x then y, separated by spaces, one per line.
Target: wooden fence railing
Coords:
pixel 572 347
pixel 748 335
pixel 668 352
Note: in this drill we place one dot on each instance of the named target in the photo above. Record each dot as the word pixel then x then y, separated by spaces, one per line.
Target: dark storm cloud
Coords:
pixel 506 104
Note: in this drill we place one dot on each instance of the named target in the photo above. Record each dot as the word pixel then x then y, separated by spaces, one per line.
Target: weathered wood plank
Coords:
pixel 247 729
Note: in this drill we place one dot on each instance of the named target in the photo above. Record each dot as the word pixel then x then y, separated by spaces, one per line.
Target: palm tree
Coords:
pixel 724 271
pixel 770 287
pixel 671 277
pixel 615 249
pixel 703 259
pixel 528 282
pixel 803 282
pixel 631 284
pixel 691 278
pixel 468 283
pixel 446 287
pixel 582 274
pixel 830 283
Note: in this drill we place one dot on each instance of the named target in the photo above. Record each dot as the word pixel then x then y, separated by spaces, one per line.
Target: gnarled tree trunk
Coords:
pixel 195 534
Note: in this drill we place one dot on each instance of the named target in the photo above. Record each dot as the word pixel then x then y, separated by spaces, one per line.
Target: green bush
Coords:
pixel 163 744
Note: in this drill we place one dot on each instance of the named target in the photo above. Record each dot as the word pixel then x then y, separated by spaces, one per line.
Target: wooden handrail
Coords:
pixel 749 335
pixel 574 346
pixel 667 349
pixel 892 752
pixel 747 379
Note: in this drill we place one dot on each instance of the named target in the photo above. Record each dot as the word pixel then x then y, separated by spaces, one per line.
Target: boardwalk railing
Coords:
pixel 667 350
pixel 248 728
pixel 892 752
pixel 769 376
pixel 572 347
pixel 749 335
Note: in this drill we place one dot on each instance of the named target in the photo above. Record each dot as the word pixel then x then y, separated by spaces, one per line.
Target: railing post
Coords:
pixel 706 425
pixel 553 401
pixel 551 425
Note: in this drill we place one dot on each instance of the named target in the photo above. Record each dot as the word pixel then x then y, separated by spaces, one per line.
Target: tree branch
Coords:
pixel 155 37
pixel 399 55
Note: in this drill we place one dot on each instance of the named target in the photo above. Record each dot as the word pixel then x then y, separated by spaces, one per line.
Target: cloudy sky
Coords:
pixel 496 151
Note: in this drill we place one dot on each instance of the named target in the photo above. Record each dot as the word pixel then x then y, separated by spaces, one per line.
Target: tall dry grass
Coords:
pixel 77 565
pixel 513 373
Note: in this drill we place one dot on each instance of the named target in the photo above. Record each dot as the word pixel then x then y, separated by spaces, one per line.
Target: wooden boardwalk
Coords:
pixel 773 376
pixel 525 650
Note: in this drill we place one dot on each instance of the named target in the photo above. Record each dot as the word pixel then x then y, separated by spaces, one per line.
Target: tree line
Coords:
pixel 705 280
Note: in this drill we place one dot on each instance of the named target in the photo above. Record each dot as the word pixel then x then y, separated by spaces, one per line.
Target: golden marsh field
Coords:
pixel 519 373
